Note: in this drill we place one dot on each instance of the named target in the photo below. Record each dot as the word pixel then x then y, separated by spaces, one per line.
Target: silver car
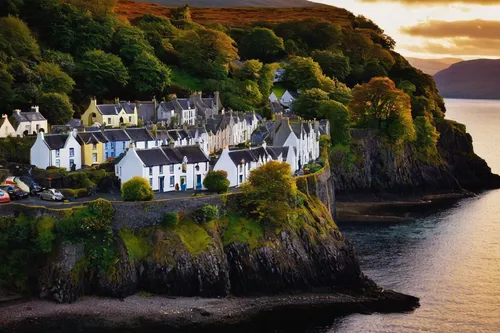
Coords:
pixel 51 194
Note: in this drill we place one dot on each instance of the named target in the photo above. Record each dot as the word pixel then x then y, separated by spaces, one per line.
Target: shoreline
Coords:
pixel 193 314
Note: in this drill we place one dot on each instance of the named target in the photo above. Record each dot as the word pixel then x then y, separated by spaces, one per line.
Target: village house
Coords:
pixel 112 115
pixel 141 138
pixel 146 111
pixel 28 123
pixel 6 128
pixel 58 150
pixel 117 143
pixel 166 168
pixel 93 147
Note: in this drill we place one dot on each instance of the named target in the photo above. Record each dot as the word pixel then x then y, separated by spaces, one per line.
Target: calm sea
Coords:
pixel 450 259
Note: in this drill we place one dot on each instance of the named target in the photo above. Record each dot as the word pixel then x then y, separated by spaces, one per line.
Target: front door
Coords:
pixel 162 181
pixel 198 182
pixel 183 183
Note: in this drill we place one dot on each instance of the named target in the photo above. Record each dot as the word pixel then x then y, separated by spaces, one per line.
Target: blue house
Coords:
pixel 118 142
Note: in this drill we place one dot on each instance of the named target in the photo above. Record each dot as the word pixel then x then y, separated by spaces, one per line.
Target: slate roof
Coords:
pixel 194 154
pixel 116 135
pixel 178 134
pixel 86 138
pixel 153 157
pixel 276 107
pixel 28 116
pixel 55 141
pixel 114 109
pixel 74 123
pixel 146 111
pixel 297 129
pixel 249 155
pixel 275 152
pixel 100 136
pixel 139 134
pixel 162 135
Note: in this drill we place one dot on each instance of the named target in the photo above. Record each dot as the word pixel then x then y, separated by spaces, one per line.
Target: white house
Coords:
pixel 59 150
pixel 30 122
pixel 288 98
pixel 166 168
pixel 284 154
pixel 6 128
pixel 141 138
pixel 273 97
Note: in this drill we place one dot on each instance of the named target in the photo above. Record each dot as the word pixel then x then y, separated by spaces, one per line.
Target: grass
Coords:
pixel 243 230
pixel 279 90
pixel 195 238
pixel 184 79
pixel 137 247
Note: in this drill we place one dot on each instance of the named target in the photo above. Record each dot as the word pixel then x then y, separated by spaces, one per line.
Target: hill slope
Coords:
pixel 474 79
pixel 432 66
pixel 237 3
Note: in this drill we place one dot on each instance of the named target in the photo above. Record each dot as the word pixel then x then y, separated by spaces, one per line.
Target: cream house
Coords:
pixel 6 128
pixel 112 115
pixel 29 122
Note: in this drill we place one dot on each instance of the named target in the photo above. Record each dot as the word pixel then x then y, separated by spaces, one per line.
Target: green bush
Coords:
pixel 170 220
pixel 216 181
pixel 79 180
pixel 137 189
pixel 75 193
pixel 206 214
pixel 45 238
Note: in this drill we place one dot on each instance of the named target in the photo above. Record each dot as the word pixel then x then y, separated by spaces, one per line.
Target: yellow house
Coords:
pixel 93 144
pixel 112 115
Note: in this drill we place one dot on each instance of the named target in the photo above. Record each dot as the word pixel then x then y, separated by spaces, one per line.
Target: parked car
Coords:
pixel 4 197
pixel 27 184
pixel 15 193
pixel 51 194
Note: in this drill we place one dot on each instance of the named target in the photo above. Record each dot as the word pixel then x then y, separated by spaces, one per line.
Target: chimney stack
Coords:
pixel 36 108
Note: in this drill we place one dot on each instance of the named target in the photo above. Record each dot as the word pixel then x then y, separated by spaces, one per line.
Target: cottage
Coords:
pixel 93 147
pixel 288 98
pixel 141 138
pixel 113 115
pixel 58 150
pixel 6 128
pixel 117 143
pixel 166 168
pixel 31 122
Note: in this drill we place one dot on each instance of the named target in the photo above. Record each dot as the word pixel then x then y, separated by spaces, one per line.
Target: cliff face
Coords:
pixel 377 169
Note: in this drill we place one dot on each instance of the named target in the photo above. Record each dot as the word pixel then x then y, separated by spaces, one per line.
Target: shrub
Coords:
pixel 79 180
pixel 170 220
pixel 45 237
pixel 216 181
pixel 137 189
pixel 206 214
pixel 75 193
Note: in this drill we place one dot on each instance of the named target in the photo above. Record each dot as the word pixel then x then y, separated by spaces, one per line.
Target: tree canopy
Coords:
pixel 261 44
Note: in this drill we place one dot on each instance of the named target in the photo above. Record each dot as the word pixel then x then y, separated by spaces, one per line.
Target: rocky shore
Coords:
pixel 140 313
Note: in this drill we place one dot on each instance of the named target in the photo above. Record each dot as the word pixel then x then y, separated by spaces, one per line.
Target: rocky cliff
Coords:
pixel 374 168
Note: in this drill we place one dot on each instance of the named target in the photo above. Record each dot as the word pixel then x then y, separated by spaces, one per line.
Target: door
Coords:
pixel 183 183
pixel 162 180
pixel 198 182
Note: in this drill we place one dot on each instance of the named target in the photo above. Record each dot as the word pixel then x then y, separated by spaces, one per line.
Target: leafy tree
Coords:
pixel 182 13
pixel 19 43
pixel 101 73
pixel 340 121
pixel 170 220
pixel 98 8
pixel 137 189
pixel 250 70
pixel 216 181
pixel 206 52
pixel 341 93
pixel 420 106
pixel 266 79
pixel 311 33
pixel 64 60
pixel 407 87
pixel 158 31
pixel 149 75
pixel 6 92
pixel 53 79
pixel 129 42
pixel 26 83
pixel 427 137
pixel 356 45
pixel 206 214
pixel 333 64
pixel 11 7
pixel 381 105
pixel 262 44
pixel 373 68
pixel 304 73
pixel 308 103
pixel 56 108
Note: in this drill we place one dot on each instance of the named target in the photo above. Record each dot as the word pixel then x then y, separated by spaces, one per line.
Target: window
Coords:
pixel 58 153
pixel 124 146
pixel 71 152
pixel 161 169
pixel 113 145
pixel 120 170
pixel 109 121
pixel 172 181
pixel 94 157
pixel 107 155
pixel 71 163
pixel 171 168
pixel 151 182
pixel 129 119
pixel 156 143
pixel 37 128
pixel 146 145
pixel 58 163
pixel 184 167
pixel 94 146
pixel 150 171
pixel 241 179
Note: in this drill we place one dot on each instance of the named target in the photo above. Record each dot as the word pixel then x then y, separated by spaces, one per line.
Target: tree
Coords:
pixel 340 121
pixel 304 73
pixel 137 189
pixel 372 69
pixel 379 104
pixel 333 65
pixel 53 79
pixel 182 13
pixel 129 42
pixel 216 181
pixel 427 137
pixel 250 70
pixel 341 93
pixel 149 75
pixel 56 108
pixel 266 79
pixel 307 105
pixel 19 43
pixel 101 73
pixel 98 8
pixel 310 34
pixel 206 52
pixel 64 60
pixel 407 87
pixel 170 220
pixel 262 44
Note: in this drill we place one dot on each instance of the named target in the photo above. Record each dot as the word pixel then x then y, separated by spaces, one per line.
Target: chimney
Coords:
pixel 216 97
pixel 4 116
pixel 41 135
pixel 74 132
pixel 36 108
pixel 17 111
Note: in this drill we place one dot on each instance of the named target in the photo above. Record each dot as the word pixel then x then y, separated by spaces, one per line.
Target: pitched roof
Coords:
pixel 2 120
pixel 297 129
pixel 116 135
pixel 194 154
pixel 275 152
pixel 153 157
pixel 28 116
pixel 86 138
pixel 248 155
pixel 100 136
pixel 55 141
pixel 147 111
pixel 74 123
pixel 139 134
pixel 114 109
pixel 162 135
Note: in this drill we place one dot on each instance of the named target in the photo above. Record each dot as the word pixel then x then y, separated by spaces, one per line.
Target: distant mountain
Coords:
pixel 474 79
pixel 235 3
pixel 432 66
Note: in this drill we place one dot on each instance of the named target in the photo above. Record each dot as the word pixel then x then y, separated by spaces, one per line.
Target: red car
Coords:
pixel 4 197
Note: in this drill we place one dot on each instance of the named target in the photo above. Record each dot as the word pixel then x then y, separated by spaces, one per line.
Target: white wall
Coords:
pixel 40 154
pixel 7 129
pixel 129 167
pixel 225 163
pixel 31 127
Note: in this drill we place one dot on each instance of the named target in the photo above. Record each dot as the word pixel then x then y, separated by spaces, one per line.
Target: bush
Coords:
pixel 79 180
pixel 137 189
pixel 45 237
pixel 216 181
pixel 75 193
pixel 170 220
pixel 206 214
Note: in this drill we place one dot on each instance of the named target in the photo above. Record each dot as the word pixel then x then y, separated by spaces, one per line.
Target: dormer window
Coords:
pixel 94 146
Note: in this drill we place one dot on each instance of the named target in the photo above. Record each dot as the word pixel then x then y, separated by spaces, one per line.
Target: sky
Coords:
pixel 467 29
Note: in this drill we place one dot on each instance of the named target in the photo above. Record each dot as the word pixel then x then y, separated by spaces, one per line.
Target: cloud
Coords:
pixel 439 2
pixel 480 29
pixel 460 47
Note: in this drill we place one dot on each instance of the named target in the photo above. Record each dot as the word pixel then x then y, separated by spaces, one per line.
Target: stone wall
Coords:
pixel 320 184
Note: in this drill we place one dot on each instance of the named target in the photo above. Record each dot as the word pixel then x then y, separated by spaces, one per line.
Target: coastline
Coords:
pixel 193 314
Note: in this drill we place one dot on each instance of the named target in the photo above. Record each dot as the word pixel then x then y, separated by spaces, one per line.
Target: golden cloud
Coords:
pixel 443 29
pixel 461 47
